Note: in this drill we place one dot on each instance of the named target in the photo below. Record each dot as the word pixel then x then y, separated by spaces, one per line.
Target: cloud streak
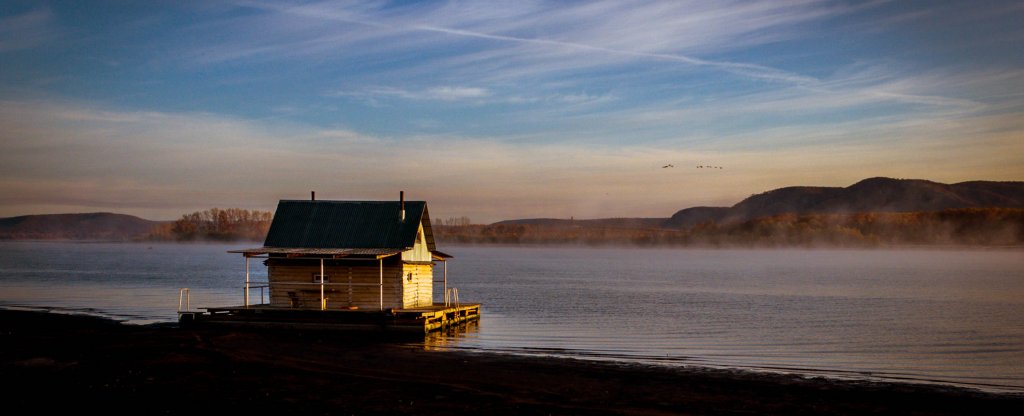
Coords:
pixel 440 93
pixel 26 30
pixel 641 13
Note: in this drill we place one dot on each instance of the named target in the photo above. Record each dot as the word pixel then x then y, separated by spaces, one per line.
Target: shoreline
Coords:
pixel 570 355
pixel 100 363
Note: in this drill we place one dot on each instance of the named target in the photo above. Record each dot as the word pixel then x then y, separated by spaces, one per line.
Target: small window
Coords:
pixel 321 278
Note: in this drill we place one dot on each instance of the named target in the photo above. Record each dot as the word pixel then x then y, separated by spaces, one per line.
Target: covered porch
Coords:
pixel 314 294
pixel 321 304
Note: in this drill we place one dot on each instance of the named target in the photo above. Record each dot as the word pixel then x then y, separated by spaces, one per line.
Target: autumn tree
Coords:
pixel 217 224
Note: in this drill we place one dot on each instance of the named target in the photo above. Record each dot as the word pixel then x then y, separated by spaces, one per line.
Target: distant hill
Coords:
pixel 90 226
pixel 603 222
pixel 874 195
pixel 690 217
pixel 875 212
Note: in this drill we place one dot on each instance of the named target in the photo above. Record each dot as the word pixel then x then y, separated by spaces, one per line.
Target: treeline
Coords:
pixel 967 227
pixel 216 224
pixel 553 234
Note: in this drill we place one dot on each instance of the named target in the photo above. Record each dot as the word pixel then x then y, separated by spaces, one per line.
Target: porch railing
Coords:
pixel 310 288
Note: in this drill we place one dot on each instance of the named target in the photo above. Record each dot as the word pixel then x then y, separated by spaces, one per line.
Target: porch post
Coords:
pixel 323 303
pixel 381 283
pixel 246 297
pixel 445 293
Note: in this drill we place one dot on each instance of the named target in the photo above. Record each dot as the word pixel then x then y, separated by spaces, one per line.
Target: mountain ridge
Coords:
pixel 871 195
pixel 80 226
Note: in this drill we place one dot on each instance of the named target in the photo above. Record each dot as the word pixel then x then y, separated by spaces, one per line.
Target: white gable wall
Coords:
pixel 419 251
pixel 417 273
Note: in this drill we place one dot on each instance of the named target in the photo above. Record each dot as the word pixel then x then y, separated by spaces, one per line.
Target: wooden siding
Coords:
pixel 291 284
pixel 418 285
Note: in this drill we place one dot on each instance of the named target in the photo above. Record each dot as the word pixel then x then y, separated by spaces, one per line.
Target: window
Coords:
pixel 321 278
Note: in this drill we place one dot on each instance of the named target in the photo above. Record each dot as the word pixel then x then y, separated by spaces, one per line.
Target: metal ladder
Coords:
pixel 451 296
pixel 184 297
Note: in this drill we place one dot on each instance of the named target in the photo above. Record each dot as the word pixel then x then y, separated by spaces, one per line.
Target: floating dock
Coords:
pixel 418 320
pixel 344 265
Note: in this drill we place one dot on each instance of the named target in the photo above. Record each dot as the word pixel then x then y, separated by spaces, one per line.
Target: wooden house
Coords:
pixel 344 265
pixel 349 255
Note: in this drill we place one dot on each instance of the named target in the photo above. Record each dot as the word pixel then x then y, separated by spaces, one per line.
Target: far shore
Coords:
pixel 570 245
pixel 54 362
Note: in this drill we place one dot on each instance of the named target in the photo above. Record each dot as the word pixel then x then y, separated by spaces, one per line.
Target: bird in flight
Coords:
pixel 668 166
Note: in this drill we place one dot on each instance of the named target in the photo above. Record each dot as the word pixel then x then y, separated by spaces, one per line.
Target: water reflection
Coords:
pixel 449 338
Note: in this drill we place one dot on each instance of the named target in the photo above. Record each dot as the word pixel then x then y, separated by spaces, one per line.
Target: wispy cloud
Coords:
pixel 474 95
pixel 512 53
pixel 441 93
pixel 26 30
pixel 602 31
pixel 860 99
pixel 515 53
pixel 456 93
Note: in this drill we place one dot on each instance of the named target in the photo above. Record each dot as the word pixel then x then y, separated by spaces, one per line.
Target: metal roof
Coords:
pixel 348 225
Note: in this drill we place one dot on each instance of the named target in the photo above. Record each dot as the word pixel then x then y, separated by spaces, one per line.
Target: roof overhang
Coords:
pixel 367 253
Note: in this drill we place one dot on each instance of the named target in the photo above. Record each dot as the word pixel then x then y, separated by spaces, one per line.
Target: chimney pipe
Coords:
pixel 401 200
pixel 312 195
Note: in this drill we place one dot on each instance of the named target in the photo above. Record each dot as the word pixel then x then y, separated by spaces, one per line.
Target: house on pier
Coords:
pixel 348 255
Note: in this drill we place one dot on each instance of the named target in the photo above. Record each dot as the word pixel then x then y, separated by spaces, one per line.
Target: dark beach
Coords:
pixel 52 362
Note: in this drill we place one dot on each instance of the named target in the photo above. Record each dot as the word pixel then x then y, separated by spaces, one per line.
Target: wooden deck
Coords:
pixel 418 320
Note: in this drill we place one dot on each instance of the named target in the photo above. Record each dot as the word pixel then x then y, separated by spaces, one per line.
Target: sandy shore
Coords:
pixel 52 362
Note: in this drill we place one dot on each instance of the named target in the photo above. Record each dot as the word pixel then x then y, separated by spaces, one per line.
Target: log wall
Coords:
pixel 418 285
pixel 292 284
pixel 406 285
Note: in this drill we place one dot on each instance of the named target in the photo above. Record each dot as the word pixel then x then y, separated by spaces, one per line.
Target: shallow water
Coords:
pixel 952 317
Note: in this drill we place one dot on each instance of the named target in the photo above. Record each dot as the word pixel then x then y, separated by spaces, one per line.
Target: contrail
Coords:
pixel 738 68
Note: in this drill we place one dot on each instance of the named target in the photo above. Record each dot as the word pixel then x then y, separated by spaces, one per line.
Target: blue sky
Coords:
pixel 497 110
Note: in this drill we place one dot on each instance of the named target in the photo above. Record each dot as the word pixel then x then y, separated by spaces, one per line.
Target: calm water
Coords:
pixel 953 317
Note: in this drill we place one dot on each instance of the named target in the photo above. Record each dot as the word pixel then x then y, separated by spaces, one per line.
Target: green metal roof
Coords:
pixel 348 224
pixel 319 252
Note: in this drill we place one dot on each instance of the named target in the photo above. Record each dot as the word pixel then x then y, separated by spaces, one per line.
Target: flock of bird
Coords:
pixel 698 166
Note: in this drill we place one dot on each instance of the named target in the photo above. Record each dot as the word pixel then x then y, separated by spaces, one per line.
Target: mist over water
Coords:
pixel 954 317
pixel 137 283
pixel 924 315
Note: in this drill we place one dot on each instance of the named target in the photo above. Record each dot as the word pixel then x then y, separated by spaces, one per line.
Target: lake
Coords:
pixel 925 316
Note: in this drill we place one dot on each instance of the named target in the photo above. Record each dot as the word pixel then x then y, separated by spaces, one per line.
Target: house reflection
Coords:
pixel 450 337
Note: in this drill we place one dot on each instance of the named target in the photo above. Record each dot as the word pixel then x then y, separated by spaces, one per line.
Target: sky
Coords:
pixel 497 110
